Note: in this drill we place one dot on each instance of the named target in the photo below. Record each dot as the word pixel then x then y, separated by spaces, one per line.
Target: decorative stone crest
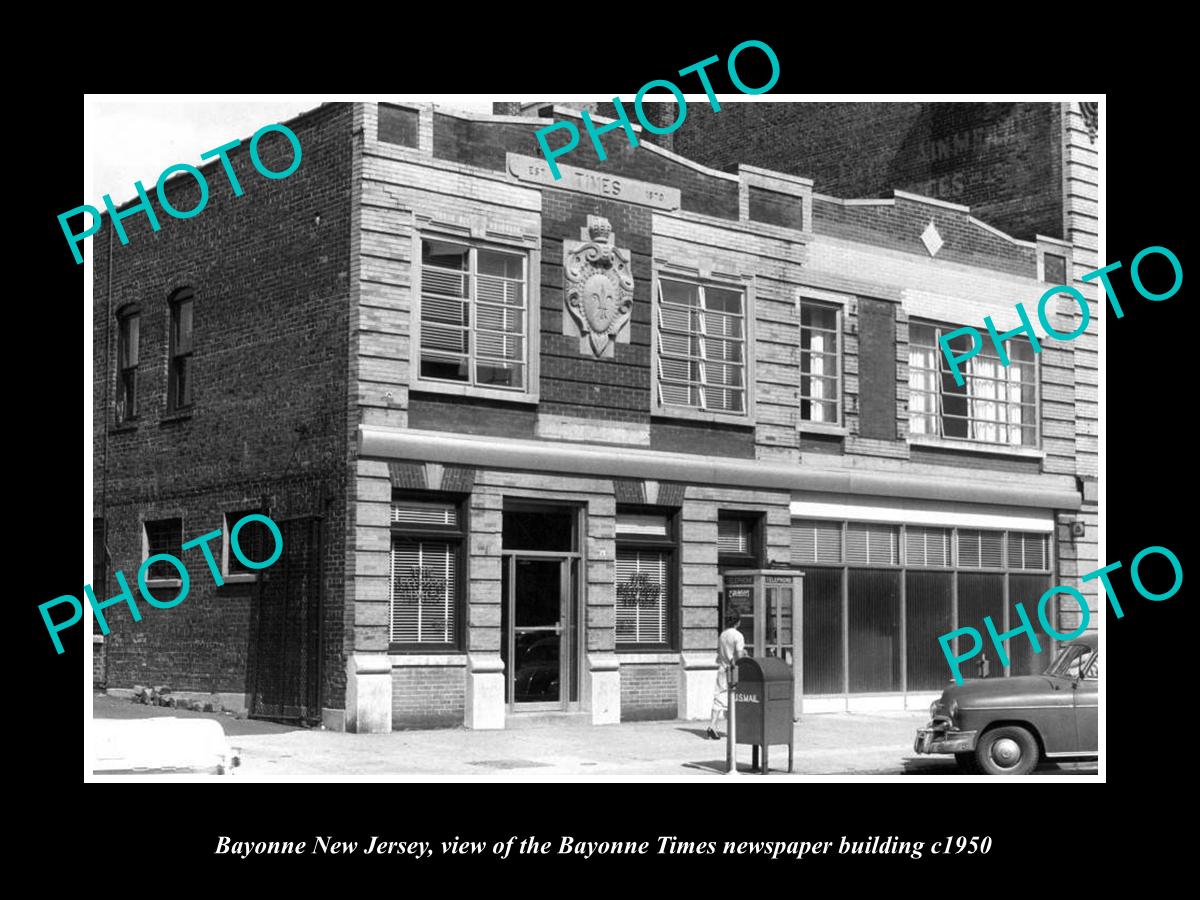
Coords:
pixel 598 289
pixel 1091 118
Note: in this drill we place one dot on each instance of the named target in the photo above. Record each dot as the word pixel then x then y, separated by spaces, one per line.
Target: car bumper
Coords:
pixel 944 740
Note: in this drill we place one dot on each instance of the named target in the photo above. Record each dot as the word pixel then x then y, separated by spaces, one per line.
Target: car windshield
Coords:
pixel 1071 662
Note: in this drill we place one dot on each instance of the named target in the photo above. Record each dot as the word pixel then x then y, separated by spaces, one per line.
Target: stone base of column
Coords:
pixel 369 693
pixel 602 688
pixel 485 692
pixel 697 680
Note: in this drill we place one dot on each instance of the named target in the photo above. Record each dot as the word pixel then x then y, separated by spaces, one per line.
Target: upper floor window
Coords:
pixel 701 346
pixel 820 348
pixel 474 319
pixel 128 337
pixel 996 404
pixel 179 375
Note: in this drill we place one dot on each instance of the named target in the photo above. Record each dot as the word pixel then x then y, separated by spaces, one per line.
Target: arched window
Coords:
pixel 179 376
pixel 128 333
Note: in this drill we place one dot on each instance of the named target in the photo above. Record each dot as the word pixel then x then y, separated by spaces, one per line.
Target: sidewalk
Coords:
pixel 827 744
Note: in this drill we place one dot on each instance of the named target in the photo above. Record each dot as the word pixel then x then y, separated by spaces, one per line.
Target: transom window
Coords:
pixel 820 385
pixel 701 346
pixel 996 404
pixel 474 315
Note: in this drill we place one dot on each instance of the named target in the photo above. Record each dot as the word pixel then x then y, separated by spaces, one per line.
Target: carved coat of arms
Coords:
pixel 598 289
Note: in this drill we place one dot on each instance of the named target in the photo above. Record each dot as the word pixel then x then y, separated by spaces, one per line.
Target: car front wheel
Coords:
pixel 1008 750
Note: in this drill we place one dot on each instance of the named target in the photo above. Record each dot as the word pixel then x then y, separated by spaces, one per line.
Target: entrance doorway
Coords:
pixel 539 630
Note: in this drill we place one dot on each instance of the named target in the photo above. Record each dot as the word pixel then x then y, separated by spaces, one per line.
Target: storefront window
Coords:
pixel 822 631
pixel 874 630
pixel 885 593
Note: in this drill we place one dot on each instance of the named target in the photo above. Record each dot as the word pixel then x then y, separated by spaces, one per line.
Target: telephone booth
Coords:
pixel 771 602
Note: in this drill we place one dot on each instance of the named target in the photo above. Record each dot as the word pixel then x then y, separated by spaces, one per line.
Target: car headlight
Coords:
pixel 934 708
pixel 953 710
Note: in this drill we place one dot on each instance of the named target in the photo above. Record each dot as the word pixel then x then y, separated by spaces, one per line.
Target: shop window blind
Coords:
pixel 641 597
pixel 927 548
pixel 642 524
pixel 733 536
pixel 871 545
pixel 1028 550
pixel 980 549
pixel 424 512
pixel 817 542
pixel 423 590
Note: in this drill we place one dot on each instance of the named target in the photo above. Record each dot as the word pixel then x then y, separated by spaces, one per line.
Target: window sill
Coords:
pixel 239 577
pixel 123 427
pixel 823 428
pixel 529 398
pixel 163 582
pixel 702 415
pixel 413 658
pixel 977 447
pixel 177 416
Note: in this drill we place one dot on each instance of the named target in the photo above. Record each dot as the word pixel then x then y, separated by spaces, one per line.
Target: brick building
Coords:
pixel 516 430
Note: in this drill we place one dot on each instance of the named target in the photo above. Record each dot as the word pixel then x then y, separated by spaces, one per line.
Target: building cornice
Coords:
pixel 1041 491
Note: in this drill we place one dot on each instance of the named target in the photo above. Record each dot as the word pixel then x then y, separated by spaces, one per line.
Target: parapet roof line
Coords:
pixel 1008 237
pixel 488 117
pixel 782 176
pixel 957 207
pixel 654 148
pixel 825 198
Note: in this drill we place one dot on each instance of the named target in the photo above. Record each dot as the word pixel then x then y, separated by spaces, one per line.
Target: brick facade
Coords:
pixel 314 400
pixel 270 274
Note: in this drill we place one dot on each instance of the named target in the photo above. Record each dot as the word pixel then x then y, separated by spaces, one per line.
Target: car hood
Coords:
pixel 994 691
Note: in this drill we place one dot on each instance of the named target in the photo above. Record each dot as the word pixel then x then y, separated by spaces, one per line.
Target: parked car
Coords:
pixel 1006 726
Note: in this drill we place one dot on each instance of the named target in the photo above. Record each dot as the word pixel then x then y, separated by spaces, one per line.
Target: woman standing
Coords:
pixel 731 647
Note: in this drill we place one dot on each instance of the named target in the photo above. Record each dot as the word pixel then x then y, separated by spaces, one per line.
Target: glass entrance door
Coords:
pixel 535 651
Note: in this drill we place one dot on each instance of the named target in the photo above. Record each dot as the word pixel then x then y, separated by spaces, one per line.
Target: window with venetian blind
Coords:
pixel 426 573
pixel 701 347
pixel 474 315
pixel 995 404
pixel 644 579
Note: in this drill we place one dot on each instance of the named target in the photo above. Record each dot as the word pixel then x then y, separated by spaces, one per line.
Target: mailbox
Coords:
pixel 766 704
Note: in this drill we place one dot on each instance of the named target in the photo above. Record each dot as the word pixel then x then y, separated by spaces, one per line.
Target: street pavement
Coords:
pixel 569 747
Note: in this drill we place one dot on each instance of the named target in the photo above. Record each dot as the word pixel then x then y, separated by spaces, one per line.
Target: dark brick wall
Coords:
pixel 270 272
pixel 649 691
pixel 877 369
pixel 775 208
pixel 398 125
pixel 432 412
pixel 678 436
pixel 433 697
pixel 1004 160
pixel 974 460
